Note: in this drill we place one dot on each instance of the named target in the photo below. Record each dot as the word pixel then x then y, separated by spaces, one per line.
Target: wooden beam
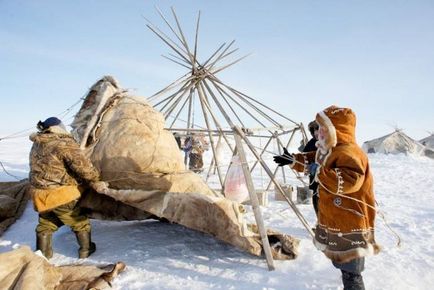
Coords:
pixel 203 101
pixel 276 184
pixel 254 201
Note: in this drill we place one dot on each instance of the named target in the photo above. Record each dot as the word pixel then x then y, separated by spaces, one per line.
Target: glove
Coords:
pixel 284 159
pixel 100 186
pixel 312 168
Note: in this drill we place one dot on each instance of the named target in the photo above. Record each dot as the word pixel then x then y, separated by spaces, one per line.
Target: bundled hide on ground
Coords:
pixel 13 200
pixel 23 269
pixel 125 139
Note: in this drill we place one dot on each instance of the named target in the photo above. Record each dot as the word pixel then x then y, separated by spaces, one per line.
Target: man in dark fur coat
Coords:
pixel 59 171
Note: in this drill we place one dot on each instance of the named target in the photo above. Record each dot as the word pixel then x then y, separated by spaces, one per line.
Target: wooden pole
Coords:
pixel 262 152
pixel 167 42
pixel 242 107
pixel 276 184
pixel 205 84
pixel 177 101
pixel 256 101
pixel 250 104
pixel 217 70
pixel 180 110
pixel 230 107
pixel 195 40
pixel 171 86
pixel 202 99
pixel 254 200
pixel 177 62
pixel 279 145
pixel 212 166
pixel 212 55
pixel 170 97
pixel 168 24
pixel 184 42
pixel 209 67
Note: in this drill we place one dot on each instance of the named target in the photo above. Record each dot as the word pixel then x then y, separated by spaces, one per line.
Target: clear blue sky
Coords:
pixel 376 57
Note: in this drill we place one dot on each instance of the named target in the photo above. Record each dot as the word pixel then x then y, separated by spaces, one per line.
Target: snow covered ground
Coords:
pixel 168 256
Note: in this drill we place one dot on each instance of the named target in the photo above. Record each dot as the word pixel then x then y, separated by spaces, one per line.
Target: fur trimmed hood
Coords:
pixel 340 124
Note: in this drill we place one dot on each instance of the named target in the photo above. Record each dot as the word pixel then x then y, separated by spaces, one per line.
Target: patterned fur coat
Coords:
pixel 345 228
pixel 57 167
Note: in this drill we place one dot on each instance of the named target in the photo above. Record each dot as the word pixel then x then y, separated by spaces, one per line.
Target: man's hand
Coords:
pixel 284 159
pixel 100 186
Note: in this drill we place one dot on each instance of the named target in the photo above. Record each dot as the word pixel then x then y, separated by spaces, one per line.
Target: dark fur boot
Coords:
pixel 352 281
pixel 86 245
pixel 44 243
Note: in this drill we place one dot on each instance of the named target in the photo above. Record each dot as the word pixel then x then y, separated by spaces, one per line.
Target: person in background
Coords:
pixel 59 172
pixel 311 147
pixel 195 145
pixel 346 208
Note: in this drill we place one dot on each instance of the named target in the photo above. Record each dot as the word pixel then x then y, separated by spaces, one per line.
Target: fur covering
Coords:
pixel 13 201
pixel 126 140
pixel 345 229
pixel 23 269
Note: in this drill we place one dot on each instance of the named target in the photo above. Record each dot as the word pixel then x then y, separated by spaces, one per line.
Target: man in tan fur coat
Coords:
pixel 58 173
pixel 345 228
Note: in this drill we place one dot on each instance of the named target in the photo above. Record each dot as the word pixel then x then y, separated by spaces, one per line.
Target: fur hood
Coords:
pixel 340 124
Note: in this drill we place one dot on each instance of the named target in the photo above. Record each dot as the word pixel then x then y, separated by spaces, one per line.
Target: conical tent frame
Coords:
pixel 218 101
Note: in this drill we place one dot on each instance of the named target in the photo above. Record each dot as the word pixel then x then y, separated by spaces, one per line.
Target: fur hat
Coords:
pixel 50 122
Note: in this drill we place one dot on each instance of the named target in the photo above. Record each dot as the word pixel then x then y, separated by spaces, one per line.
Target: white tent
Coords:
pixel 428 141
pixel 397 142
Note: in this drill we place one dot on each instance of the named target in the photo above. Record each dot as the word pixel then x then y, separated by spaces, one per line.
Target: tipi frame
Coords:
pixel 218 100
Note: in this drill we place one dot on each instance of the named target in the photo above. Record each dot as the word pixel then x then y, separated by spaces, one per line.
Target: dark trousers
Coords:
pixel 68 214
pixel 315 197
pixel 352 274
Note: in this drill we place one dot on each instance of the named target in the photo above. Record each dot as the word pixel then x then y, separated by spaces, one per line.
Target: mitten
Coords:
pixel 283 159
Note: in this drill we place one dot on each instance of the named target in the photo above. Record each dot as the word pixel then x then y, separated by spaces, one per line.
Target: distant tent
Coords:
pixel 397 142
pixel 428 141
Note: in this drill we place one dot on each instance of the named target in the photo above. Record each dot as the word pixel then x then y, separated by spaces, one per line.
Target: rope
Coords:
pixel 17 134
pixel 10 174
pixel 380 214
pixel 68 110
pixel 61 115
